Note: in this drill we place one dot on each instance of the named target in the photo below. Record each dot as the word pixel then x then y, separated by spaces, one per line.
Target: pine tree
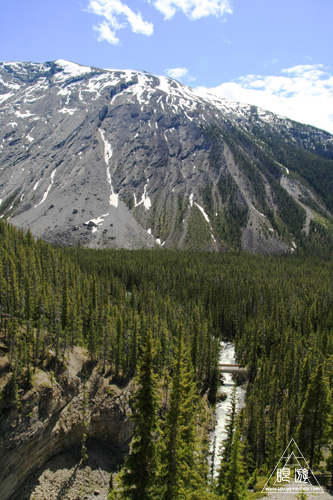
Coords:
pixel 234 484
pixel 84 450
pixel 12 388
pixel 137 480
pixel 179 470
pixel 12 337
pixel 314 416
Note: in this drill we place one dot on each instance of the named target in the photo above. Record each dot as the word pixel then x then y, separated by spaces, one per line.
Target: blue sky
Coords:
pixel 276 54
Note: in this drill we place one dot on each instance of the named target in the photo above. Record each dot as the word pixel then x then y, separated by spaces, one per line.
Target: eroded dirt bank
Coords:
pixel 54 414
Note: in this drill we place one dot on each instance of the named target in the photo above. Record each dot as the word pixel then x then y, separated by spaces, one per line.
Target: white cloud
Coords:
pixel 304 68
pixel 176 72
pixel 117 15
pixel 303 93
pixel 105 33
pixel 193 9
pixel 179 74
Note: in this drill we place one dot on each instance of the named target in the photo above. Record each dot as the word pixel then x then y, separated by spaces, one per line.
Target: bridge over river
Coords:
pixel 228 368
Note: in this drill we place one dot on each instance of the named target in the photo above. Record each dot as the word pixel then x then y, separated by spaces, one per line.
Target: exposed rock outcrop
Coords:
pixel 51 419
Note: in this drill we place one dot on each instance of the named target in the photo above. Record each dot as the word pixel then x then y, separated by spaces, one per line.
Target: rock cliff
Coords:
pixel 52 417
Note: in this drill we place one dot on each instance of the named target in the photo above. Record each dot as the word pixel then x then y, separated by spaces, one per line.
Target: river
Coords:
pixel 227 356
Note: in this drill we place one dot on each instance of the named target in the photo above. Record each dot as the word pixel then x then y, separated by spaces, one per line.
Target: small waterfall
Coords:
pixel 227 356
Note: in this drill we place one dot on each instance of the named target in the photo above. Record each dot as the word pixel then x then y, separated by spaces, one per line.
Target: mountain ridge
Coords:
pixel 124 158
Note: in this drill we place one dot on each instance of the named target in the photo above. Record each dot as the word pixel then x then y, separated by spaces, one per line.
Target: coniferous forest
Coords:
pixel 159 316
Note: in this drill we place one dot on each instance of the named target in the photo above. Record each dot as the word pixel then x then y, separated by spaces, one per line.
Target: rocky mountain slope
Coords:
pixel 127 159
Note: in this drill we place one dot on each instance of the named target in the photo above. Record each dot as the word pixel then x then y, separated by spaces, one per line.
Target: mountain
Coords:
pixel 114 158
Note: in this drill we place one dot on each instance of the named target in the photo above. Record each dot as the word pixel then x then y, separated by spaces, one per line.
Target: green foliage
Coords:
pixel 12 391
pixel 320 242
pixel 233 487
pixel 180 473
pixel 329 465
pixel 235 212
pixel 307 159
pixel 214 136
pixel 84 450
pixel 164 222
pixel 198 232
pixel 182 206
pixel 278 311
pixel 137 480
pixel 260 157
pixel 228 214
pixel 8 202
pixel 301 495
pixel 314 415
pixel 253 480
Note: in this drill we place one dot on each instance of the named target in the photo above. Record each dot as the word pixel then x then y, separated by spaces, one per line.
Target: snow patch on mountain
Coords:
pixel 45 195
pixel 14 86
pixel 107 156
pixel 4 97
pixel 164 84
pixel 107 150
pixel 68 111
pixel 145 200
pixel 65 91
pixel 141 90
pixel 284 168
pixel 70 70
pixel 262 215
pixel 114 199
pixel 27 114
pixel 95 223
pixel 207 220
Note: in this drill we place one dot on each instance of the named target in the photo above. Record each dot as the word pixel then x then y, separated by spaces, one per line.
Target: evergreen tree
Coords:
pixel 84 450
pixel 137 480
pixel 234 484
pixel 179 471
pixel 314 416
pixel 278 311
pixel 12 388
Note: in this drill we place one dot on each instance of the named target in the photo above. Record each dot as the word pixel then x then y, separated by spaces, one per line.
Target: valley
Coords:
pixel 88 335
pixel 143 225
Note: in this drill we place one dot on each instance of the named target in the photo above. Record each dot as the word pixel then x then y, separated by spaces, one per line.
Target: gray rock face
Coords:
pixel 51 420
pixel 126 159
